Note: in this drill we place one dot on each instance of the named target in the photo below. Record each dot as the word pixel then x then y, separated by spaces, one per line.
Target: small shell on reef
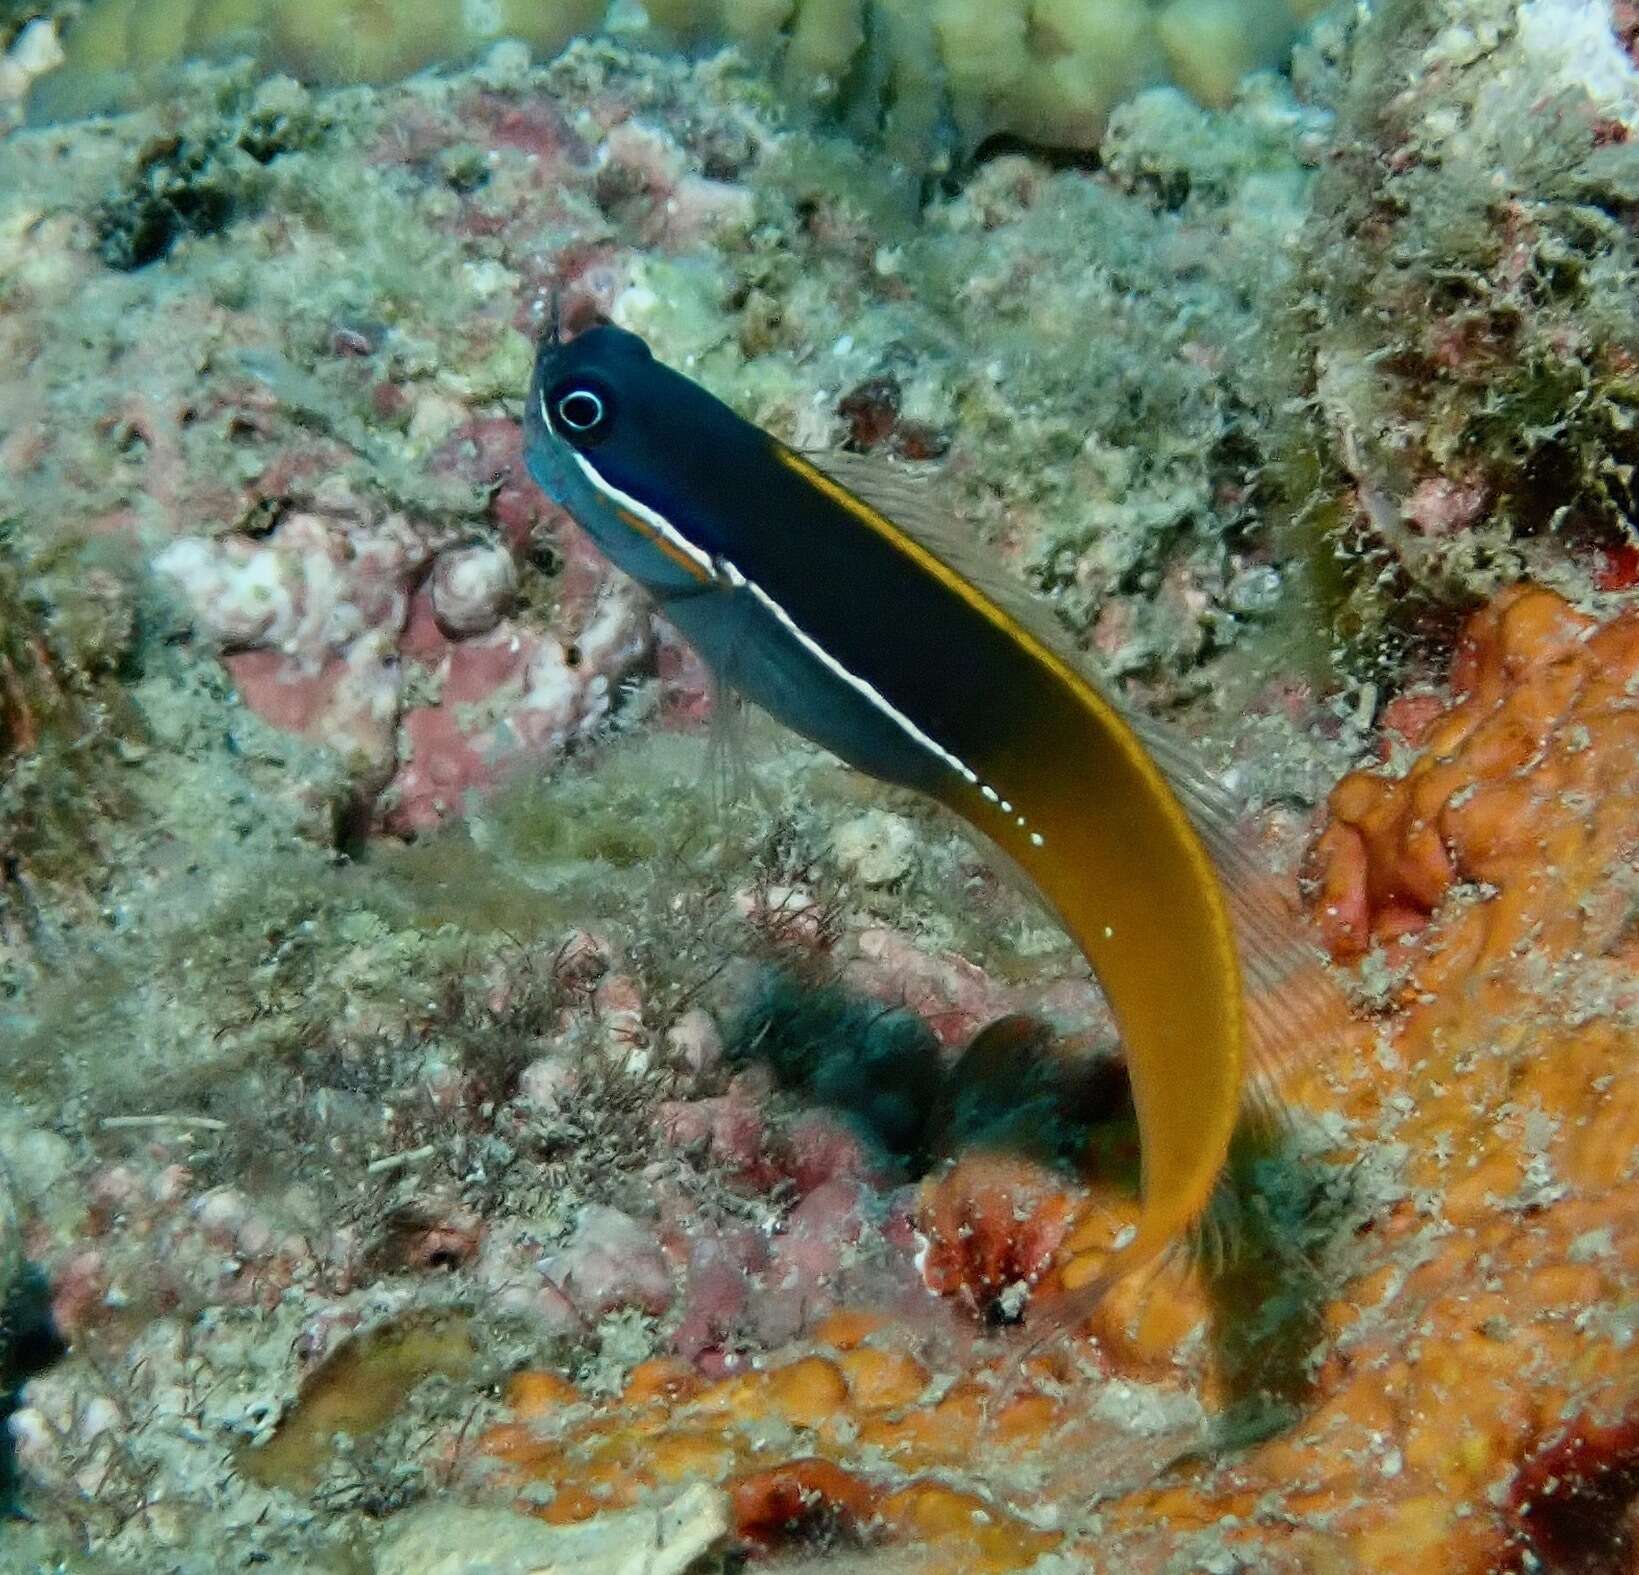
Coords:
pixel 472 587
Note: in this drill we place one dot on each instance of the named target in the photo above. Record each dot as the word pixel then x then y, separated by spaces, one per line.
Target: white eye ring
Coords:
pixel 580 410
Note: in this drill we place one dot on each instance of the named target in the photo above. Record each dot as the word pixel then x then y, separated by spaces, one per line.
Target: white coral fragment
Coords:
pixel 1574 45
pixel 449 1540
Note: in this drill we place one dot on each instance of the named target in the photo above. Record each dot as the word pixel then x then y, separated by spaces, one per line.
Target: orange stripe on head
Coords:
pixel 650 534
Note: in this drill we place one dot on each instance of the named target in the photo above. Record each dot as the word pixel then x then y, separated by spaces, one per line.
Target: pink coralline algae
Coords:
pixel 324 623
pixel 335 487
pixel 307 623
pixel 611 1261
pixel 526 696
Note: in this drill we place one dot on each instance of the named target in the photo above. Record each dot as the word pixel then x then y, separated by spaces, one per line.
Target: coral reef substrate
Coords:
pixel 925 76
pixel 426 1101
pixel 1478 1332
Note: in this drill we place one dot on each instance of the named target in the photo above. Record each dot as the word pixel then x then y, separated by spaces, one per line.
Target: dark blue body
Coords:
pixel 722 484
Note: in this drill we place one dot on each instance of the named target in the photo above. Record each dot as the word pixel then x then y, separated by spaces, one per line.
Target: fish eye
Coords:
pixel 580 413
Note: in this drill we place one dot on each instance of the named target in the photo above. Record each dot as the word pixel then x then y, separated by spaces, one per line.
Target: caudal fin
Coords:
pixel 1058 1317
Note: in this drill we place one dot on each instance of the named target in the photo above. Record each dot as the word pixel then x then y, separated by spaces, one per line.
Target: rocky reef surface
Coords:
pixel 458 1129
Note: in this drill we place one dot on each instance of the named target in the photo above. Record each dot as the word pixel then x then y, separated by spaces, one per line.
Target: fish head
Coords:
pixel 637 453
pixel 579 396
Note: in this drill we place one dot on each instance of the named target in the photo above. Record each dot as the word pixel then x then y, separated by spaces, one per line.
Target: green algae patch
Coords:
pixel 356 1391
pixel 67 627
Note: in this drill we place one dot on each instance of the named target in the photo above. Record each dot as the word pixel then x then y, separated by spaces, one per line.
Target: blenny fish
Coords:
pixel 826 592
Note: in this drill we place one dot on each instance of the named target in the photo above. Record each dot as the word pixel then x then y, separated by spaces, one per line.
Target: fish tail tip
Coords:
pixel 1059 1317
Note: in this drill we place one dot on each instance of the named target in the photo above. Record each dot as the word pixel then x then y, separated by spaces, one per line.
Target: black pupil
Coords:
pixel 580 411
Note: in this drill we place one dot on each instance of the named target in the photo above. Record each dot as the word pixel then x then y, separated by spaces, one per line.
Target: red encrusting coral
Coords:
pixel 1574 1499
pixel 802 1501
pixel 994 1226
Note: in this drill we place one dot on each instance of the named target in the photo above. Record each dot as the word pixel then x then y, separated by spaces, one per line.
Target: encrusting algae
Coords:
pixel 1471 1401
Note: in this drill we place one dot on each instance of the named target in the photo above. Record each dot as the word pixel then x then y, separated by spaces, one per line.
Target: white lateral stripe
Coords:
pixel 661 526
pixel 853 680
pixel 722 570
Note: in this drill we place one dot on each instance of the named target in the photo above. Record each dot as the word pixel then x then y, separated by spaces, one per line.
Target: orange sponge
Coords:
pixel 1535 682
pixel 1471 1399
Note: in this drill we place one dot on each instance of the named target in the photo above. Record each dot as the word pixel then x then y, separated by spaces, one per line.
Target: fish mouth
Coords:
pixel 575 341
pixel 568 317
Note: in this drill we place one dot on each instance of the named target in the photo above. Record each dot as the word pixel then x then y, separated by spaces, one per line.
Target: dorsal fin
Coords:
pixel 1293 1006
pixel 911 501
